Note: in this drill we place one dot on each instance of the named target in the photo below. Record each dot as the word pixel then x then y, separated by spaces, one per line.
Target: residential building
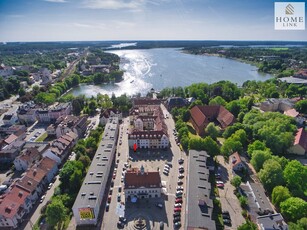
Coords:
pixel 107 113
pixel 199 193
pixel 300 143
pixel 43 115
pixel 26 115
pixel 70 123
pixel 62 109
pixel 30 186
pixel 9 119
pixel 9 129
pixel 26 159
pixel 236 163
pixel 271 222
pixel 6 71
pixel 294 114
pixel 13 207
pixel 149 129
pixel 301 74
pixel 86 208
pixel 276 104
pixel 50 167
pixel 201 116
pixel 141 184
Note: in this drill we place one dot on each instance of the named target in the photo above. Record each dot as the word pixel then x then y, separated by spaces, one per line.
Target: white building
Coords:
pixel 141 184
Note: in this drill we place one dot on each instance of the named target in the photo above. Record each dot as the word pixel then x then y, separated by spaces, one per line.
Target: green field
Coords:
pixel 279 48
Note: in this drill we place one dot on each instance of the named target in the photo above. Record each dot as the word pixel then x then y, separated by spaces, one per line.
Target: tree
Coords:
pixel 217 101
pixel 21 92
pixel 279 195
pixel 230 146
pixel 301 106
pixel 243 201
pixel 56 212
pixel 295 175
pixel 210 146
pixel 234 107
pixel 236 181
pixel 294 208
pixel 75 181
pixel 256 145
pixel 300 225
pixel 67 171
pixel 271 175
pixel 258 159
pixel 85 161
pixel 248 226
pixel 212 130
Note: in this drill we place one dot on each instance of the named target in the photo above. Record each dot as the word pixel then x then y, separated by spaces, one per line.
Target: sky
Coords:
pixel 99 20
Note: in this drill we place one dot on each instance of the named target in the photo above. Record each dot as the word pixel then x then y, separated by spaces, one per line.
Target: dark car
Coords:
pixel 180 161
pixel 177 224
pixel 177 214
pixel 180 182
pixel 107 207
pixel 181 170
pixel 176 219
pixel 120 225
pixel 227 221
pixel 123 219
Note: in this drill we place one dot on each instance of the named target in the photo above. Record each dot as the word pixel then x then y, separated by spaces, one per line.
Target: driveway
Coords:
pixel 228 199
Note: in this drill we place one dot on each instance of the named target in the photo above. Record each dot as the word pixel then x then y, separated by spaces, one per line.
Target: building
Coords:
pixel 300 143
pixel 70 123
pixel 294 114
pixel 175 102
pixel 26 159
pixel 26 115
pixel 141 184
pixel 6 71
pixel 9 119
pixel 62 109
pixel 199 193
pixel 302 74
pixel 88 202
pixel 276 104
pixel 236 163
pixel 201 116
pixel 43 115
pixel 150 130
pixel 13 207
pixel 9 129
pixel 107 113
pixel 271 222
pixel 50 167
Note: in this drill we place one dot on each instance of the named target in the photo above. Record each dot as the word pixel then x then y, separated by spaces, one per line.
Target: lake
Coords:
pixel 169 67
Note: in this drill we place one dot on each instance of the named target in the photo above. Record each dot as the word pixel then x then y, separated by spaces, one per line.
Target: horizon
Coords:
pixel 141 20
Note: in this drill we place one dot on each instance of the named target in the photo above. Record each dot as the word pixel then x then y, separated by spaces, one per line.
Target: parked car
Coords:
pixel 109 198
pixel 177 209
pixel 178 200
pixel 107 207
pixel 220 185
pixel 50 185
pixel 179 196
pixel 179 188
pixel 118 197
pixel 120 224
pixel 227 221
pixel 159 205
pixel 177 205
pixel 179 192
pixel 219 182
pixel 119 189
pixel 181 170
pixel 180 182
pixel 176 219
pixel 42 198
pixel 176 214
pixel 111 191
pixel 180 161
pixel 180 176
pixel 165 172
pixel 177 224
pixel 122 219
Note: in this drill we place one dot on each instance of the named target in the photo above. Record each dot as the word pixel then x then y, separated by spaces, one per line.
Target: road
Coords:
pixel 228 199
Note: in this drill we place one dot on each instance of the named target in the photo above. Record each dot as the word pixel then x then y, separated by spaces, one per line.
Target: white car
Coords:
pixel 50 185
pixel 178 205
pixel 219 182
pixel 42 198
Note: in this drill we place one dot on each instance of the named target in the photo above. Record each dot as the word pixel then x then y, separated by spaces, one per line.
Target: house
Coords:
pixel 300 143
pixel 276 104
pixel 30 186
pixel 236 163
pixel 26 113
pixel 6 71
pixel 294 114
pixel 100 68
pixel 271 222
pixel 173 102
pixel 301 74
pixel 70 123
pixel 26 159
pixel 13 207
pixel 8 154
pixel 45 76
pixel 62 109
pixel 9 129
pixel 50 167
pixel 141 184
pixel 39 175
pixel 43 115
pixel 10 139
pixel 9 119
pixel 201 116
pixel 107 113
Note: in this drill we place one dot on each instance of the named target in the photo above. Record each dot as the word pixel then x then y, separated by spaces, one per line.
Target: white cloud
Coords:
pixel 84 25
pixel 56 1
pixel 114 4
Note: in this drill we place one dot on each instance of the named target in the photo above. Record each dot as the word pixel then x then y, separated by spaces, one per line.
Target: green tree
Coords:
pixel 234 107
pixel 279 195
pixel 248 226
pixel 300 225
pixel 212 131
pixel 230 146
pixel 301 106
pixel 256 145
pixel 210 146
pixel 86 161
pixel 236 181
pixel 67 171
pixel 271 175
pixel 294 208
pixel 295 175
pixel 56 212
pixel 259 157
pixel 243 201
pixel 217 101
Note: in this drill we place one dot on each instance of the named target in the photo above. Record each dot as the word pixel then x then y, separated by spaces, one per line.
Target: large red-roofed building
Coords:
pixel 300 143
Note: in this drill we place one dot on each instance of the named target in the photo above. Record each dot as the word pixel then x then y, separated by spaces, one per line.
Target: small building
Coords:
pixel 9 119
pixel 300 143
pixel 70 123
pixel 271 222
pixel 201 116
pixel 26 159
pixel 236 163
pixel 50 167
pixel 141 184
pixel 294 114
pixel 62 109
pixel 276 104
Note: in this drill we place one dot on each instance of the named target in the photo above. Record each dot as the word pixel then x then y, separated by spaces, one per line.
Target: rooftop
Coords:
pixel 272 222
pixel 301 138
pixel 135 179
pixel 199 202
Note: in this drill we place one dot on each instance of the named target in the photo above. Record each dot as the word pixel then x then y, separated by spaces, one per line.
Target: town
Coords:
pixel 204 156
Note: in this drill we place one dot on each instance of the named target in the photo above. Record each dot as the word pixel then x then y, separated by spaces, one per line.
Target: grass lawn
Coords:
pixel 42 137
pixel 192 133
pixel 279 48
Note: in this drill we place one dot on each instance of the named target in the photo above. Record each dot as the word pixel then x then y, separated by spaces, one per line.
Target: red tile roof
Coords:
pixel 134 179
pixel 30 155
pixel 235 159
pixel 208 113
pixel 46 164
pixel 291 113
pixel 36 174
pixel 301 138
pixel 10 204
pixel 10 138
pixel 27 184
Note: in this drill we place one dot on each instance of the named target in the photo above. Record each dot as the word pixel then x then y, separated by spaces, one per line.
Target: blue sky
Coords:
pixel 78 20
